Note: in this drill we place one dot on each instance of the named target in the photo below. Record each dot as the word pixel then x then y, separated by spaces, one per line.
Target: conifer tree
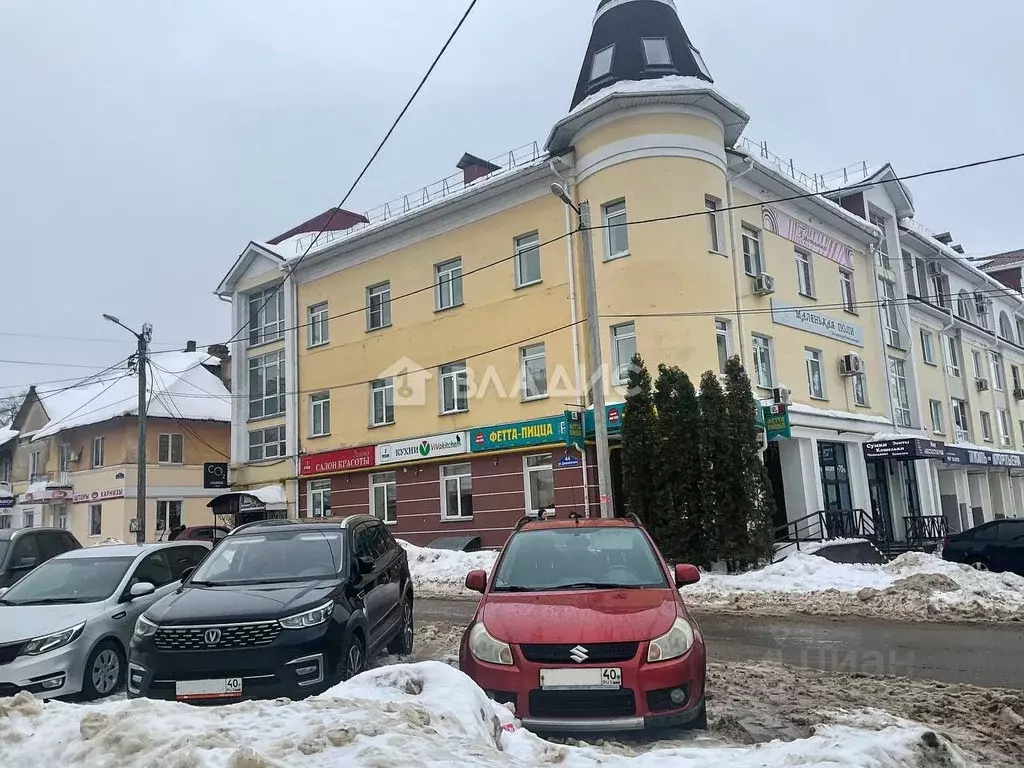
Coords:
pixel 640 448
pixel 716 470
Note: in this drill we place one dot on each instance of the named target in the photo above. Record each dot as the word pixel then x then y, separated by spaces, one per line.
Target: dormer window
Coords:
pixel 700 63
pixel 656 52
pixel 602 63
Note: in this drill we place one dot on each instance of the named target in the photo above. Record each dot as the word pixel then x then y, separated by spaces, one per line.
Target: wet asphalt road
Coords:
pixel 975 654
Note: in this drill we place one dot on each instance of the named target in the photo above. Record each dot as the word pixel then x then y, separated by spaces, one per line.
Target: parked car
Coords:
pixel 995 546
pixel 277 610
pixel 65 628
pixel 582 628
pixel 23 549
pixel 211 533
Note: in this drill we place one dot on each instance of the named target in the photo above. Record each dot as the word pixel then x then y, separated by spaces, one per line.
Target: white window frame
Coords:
pixel 605 62
pixel 882 222
pixel 545 465
pixel 163 509
pixel 961 422
pixel 753 250
pixel 804 273
pixel 99 445
pixel 928 347
pixel 1015 377
pixel 60 516
pixel 712 206
pixel 448 285
pixel 264 404
pixel 95 520
pixel 935 409
pixel 320 410
pixel 860 390
pixel 1005 430
pixel 318 318
pixel 35 459
pixel 900 391
pixel 952 355
pixel 848 290
pixel 986 426
pixel 527 249
pixel 264 331
pixel 814 359
pixel 622 333
pixel 529 372
pixel 654 49
pixel 891 314
pixel 979 368
pixel 611 212
pixel 318 503
pixel 378 302
pixel 382 481
pixel 453 377
pixel 457 474
pixel 280 447
pixel 995 364
pixel 167 457
pixel 764 361
pixel 723 342
pixel 382 394
pixel 1020 330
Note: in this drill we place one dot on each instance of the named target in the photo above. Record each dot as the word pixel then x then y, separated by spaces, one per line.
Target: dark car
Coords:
pixel 277 611
pixel 582 628
pixel 211 533
pixel 23 549
pixel 995 546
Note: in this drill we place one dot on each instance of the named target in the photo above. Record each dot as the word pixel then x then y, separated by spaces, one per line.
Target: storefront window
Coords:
pixel 458 492
pixel 540 483
pixel 835 476
pixel 384 496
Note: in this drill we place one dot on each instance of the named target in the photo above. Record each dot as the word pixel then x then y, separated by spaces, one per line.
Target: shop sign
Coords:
pixel 50 494
pixel 806 236
pixel 248 503
pixel 6 502
pixel 976 457
pixel 518 435
pixel 215 474
pixel 342 460
pixel 421 448
pixel 818 323
pixel 905 448
pixel 95 497
pixel 613 418
pixel 775 419
pixel 574 436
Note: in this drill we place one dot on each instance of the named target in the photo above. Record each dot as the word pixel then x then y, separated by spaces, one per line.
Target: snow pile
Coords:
pixel 108 542
pixel 913 586
pixel 810 547
pixel 442 572
pixel 425 714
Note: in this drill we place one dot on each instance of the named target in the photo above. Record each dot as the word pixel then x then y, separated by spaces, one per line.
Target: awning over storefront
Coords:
pixel 6 497
pixel 908 448
pixel 48 492
pixel 904 448
pixel 250 504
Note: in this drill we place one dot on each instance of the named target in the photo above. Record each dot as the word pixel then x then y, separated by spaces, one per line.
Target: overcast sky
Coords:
pixel 144 144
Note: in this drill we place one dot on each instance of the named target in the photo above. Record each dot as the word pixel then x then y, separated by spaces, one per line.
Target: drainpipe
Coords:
pixel 741 326
pixel 570 264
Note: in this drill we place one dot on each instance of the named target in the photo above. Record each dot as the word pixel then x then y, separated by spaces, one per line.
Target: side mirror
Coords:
pixel 477 581
pixel 686 574
pixel 140 589
pixel 187 572
pixel 365 564
pixel 26 563
pixel 3 591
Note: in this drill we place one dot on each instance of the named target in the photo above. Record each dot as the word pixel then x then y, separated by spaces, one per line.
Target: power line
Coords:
pixel 655 220
pixel 52 365
pixel 172 407
pixel 92 399
pixel 64 338
pixel 373 157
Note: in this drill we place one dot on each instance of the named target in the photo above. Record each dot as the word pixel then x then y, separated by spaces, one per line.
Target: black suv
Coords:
pixel 277 610
pixel 24 549
pixel 995 546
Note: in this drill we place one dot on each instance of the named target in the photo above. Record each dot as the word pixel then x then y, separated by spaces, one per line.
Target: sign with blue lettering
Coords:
pixel 568 461
pixel 807 319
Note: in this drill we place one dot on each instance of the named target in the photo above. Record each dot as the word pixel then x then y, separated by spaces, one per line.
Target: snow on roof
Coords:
pixel 7 434
pixel 810 410
pixel 269 494
pixel 669 84
pixel 180 388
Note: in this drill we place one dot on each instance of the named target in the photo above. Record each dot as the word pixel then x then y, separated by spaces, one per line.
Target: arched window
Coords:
pixel 963 305
pixel 1005 329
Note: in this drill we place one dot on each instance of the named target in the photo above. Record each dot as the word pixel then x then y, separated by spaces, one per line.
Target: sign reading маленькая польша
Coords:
pixel 818 323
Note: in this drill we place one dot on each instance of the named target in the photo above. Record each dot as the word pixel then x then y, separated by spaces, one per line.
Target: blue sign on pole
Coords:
pixel 568 461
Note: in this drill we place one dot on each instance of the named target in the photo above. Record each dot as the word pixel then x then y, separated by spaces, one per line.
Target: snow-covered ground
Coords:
pixel 913 586
pixel 442 572
pixel 425 714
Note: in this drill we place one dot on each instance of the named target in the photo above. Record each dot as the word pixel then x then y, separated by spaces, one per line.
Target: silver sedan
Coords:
pixel 66 627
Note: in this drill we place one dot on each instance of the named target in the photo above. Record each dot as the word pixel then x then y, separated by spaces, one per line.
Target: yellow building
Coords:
pixel 418 362
pixel 74 462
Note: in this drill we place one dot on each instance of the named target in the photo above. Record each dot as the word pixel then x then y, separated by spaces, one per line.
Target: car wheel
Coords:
pixel 978 564
pixel 104 671
pixel 402 644
pixel 354 661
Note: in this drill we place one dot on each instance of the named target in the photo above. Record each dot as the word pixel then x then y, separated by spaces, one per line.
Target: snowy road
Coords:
pixel 986 655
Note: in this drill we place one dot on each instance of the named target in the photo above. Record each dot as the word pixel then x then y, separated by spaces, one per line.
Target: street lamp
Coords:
pixel 594 352
pixel 140 490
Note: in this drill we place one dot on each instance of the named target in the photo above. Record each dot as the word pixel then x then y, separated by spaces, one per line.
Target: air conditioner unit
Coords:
pixel 982 384
pixel 1018 393
pixel 979 299
pixel 782 396
pixel 764 284
pixel 850 364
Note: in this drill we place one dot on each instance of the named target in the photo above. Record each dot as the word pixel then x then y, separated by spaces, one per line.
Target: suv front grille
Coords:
pixel 619 703
pixel 230 636
pixel 9 653
pixel 596 653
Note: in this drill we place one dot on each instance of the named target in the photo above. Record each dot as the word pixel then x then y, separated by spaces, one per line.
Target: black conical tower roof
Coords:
pixel 623 25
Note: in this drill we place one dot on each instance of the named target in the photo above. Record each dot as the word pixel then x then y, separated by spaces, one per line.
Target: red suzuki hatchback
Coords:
pixel 582 627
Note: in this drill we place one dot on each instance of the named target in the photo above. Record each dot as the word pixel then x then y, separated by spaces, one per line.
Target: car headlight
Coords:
pixel 310 618
pixel 144 627
pixel 52 642
pixel 487 648
pixel 673 643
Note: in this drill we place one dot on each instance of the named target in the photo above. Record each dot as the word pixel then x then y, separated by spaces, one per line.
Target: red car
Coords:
pixel 582 628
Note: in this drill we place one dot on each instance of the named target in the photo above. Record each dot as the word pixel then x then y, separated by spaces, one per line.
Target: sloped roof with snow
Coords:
pixel 1000 260
pixel 179 388
pixel 7 434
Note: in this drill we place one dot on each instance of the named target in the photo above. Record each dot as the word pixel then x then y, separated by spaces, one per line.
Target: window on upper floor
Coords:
pixel 753 262
pixel 701 66
pixel 998 376
pixel 527 259
pixel 927 348
pixel 318 322
pixel 623 351
pixel 952 355
pixel 935 409
pixel 534 371
pixel 963 428
pixel 940 289
pixel 900 393
pixel 1015 374
pixel 979 370
pixel 448 284
pixel 602 66
pixel 908 272
pixel 1005 328
pixel 723 342
pixel 266 385
pixel 378 306
pixel 382 402
pixel 892 314
pixel 712 205
pixel 1020 331
pixel 764 366
pixel 454 388
pixel 170 449
pixel 963 305
pixel 882 222
pixel 860 389
pixel 320 414
pixel 815 373
pixel 804 273
pixel 986 426
pixel 848 291
pixel 616 230
pixel 984 314
pixel 266 315
pixel 922 279
pixel 98 449
pixel 656 52
pixel 267 443
pixel 1005 430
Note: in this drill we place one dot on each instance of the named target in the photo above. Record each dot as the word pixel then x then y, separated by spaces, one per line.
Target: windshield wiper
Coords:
pixel 593 585
pixel 517 588
pixel 51 601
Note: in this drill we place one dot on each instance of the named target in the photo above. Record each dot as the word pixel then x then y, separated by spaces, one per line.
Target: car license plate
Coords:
pixel 580 679
pixel 191 690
